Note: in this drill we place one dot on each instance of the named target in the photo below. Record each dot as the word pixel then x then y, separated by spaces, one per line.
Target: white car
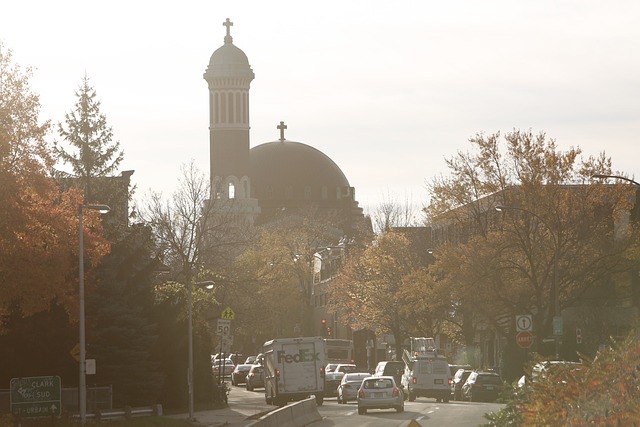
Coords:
pixel 379 393
pixel 226 366
pixel 332 378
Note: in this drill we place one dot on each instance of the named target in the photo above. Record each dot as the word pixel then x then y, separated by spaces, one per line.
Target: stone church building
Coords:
pixel 270 178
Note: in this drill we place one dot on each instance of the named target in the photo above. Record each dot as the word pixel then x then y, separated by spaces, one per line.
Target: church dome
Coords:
pixel 230 55
pixel 286 169
pixel 228 60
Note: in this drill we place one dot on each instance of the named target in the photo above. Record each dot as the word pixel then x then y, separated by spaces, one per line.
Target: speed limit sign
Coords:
pixel 224 327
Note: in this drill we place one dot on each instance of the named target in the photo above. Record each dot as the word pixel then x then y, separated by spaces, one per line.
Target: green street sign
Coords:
pixel 557 325
pixel 36 396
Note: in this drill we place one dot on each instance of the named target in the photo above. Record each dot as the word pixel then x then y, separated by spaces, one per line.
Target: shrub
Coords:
pixel 604 391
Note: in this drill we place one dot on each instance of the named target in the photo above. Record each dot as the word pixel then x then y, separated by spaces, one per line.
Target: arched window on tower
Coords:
pixel 223 107
pixel 238 114
pixel 232 118
pixel 245 186
pixel 216 108
pixel 232 191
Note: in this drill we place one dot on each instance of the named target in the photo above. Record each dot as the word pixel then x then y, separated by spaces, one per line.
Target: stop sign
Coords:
pixel 524 339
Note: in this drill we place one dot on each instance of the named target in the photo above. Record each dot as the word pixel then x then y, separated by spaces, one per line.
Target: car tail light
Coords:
pixel 360 393
pixel 450 381
pixel 414 380
pixel 396 393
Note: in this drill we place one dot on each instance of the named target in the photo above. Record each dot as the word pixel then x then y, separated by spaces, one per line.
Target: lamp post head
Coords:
pixel 624 178
pixel 207 284
pixel 500 208
pixel 100 208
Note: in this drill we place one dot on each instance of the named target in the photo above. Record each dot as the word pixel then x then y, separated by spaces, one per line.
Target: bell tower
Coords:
pixel 229 77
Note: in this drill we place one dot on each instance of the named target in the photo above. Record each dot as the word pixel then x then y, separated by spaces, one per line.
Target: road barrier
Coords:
pixel 294 415
pixel 126 413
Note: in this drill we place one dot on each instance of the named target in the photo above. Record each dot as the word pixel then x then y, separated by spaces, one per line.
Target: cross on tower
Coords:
pixel 282 127
pixel 228 24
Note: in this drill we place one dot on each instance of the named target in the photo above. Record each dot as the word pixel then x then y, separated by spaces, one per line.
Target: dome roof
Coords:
pixel 229 54
pixel 229 61
pixel 289 169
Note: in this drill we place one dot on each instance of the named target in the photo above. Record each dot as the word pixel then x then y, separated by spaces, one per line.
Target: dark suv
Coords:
pixel 482 386
pixel 391 368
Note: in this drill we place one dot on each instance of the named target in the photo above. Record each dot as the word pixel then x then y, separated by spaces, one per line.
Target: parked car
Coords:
pixel 482 386
pixel 459 378
pixel 239 374
pixel 332 379
pixel 542 369
pixel 236 358
pixel 255 377
pixel 379 393
pixel 456 368
pixel 349 386
pixel 226 366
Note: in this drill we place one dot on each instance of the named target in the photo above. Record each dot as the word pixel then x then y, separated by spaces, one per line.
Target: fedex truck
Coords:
pixel 294 369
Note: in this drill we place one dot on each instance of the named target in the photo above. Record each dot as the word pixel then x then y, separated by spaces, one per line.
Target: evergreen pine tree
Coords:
pixel 92 152
pixel 124 335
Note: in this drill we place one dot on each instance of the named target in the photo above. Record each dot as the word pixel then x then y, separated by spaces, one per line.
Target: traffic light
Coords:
pixel 328 331
pixel 323 327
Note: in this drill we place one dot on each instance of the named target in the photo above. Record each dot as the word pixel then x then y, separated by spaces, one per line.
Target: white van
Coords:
pixel 428 376
pixel 294 369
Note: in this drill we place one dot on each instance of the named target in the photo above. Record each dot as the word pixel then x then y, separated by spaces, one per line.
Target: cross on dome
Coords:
pixel 228 24
pixel 281 127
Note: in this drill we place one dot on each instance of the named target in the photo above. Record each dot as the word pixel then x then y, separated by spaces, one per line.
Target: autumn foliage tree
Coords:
pixel 382 287
pixel 601 391
pixel 38 222
pixel 554 243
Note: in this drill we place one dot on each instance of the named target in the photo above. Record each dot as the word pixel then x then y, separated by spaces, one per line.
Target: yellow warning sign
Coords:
pixel 228 314
pixel 414 423
pixel 75 352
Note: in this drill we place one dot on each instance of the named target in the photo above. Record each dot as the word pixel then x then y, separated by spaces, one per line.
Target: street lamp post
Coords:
pixel 604 176
pixel 206 284
pixel 554 284
pixel 82 383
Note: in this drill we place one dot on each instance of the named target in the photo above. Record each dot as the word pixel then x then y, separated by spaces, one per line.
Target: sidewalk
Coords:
pixel 236 416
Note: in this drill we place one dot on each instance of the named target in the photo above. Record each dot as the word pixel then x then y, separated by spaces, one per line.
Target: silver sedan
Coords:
pixel 379 393
pixel 348 387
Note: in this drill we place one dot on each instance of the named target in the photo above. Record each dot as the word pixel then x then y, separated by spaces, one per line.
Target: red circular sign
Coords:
pixel 524 339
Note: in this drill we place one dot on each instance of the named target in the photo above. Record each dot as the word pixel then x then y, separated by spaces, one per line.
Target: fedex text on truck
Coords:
pixel 303 355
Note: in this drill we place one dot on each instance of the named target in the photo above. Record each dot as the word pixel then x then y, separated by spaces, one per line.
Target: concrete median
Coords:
pixel 297 414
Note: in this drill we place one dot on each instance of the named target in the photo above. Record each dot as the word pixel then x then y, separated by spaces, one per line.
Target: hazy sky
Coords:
pixel 387 89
